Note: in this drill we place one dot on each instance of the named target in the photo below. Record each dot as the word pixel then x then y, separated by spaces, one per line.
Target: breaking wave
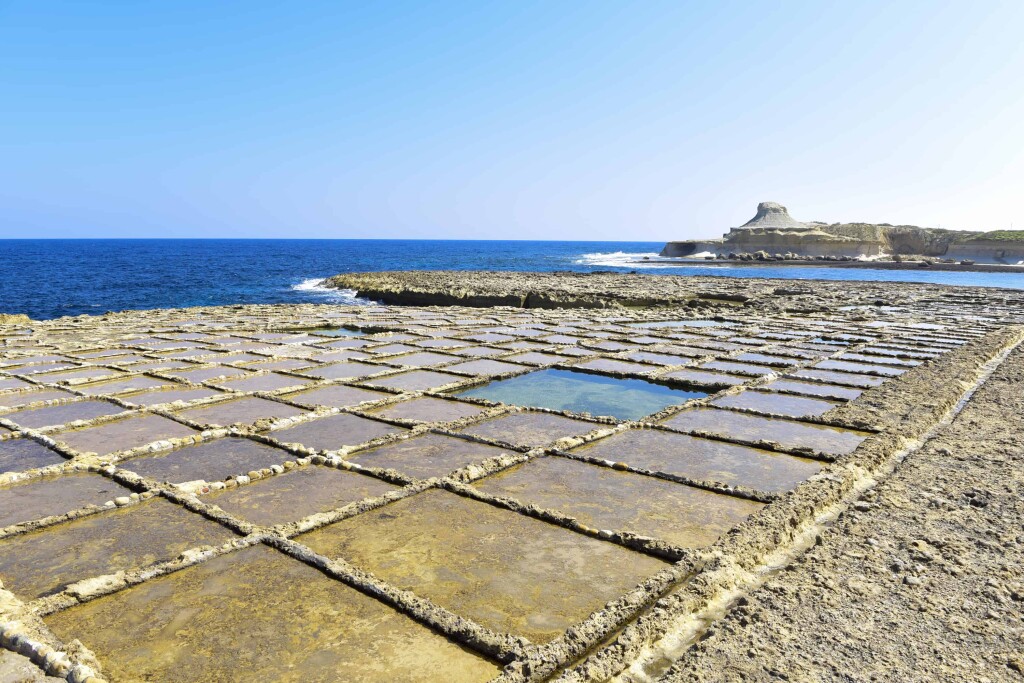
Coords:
pixel 634 260
pixel 315 287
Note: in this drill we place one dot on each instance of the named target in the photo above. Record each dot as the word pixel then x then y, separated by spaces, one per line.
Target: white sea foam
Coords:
pixel 619 259
pixel 634 260
pixel 329 294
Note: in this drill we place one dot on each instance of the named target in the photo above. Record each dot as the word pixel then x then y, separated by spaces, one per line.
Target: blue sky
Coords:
pixel 526 120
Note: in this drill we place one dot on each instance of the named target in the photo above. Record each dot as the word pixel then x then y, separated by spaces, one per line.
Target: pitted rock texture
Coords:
pixel 920 581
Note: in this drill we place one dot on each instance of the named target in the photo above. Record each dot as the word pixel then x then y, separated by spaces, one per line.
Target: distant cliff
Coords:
pixel 773 232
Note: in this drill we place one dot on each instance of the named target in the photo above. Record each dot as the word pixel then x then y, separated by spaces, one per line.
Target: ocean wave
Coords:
pixel 315 287
pixel 635 260
pixel 619 259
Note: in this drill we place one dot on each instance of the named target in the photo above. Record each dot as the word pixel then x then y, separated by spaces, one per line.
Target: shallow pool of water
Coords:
pixel 579 392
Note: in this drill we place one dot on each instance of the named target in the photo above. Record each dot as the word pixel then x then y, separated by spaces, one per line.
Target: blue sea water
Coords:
pixel 53 278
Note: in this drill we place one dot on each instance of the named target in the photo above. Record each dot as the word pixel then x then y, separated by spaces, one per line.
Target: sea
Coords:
pixel 52 278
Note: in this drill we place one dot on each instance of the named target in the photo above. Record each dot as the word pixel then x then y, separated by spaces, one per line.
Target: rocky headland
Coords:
pixel 773 235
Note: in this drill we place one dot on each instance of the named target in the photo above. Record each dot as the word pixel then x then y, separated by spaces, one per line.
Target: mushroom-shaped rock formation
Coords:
pixel 773 215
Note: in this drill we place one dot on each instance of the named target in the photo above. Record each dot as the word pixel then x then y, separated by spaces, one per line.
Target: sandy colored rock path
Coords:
pixel 920 581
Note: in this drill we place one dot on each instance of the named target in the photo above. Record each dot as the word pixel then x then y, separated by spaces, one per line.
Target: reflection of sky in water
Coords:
pixel 626 399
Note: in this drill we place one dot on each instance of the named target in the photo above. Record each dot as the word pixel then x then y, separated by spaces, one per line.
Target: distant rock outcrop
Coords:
pixel 772 215
pixel 772 234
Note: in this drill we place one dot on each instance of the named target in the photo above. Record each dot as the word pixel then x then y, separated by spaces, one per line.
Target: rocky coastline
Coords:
pixel 773 235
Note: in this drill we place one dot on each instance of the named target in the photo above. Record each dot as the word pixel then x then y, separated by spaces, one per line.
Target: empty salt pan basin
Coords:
pixel 416 380
pixel 119 435
pixel 705 378
pixel 704 460
pixel 47 560
pixel 737 368
pixel 776 404
pixel 137 383
pixel 259 615
pixel 848 378
pixel 580 392
pixel 423 359
pixel 337 396
pixel 814 389
pixel 862 368
pixel 530 429
pixel 603 498
pixel 299 493
pixel 681 323
pixel 22 398
pixel 208 461
pixel 34 499
pixel 507 572
pixel 36 418
pixel 428 409
pixel 334 431
pixel 159 396
pixel 786 433
pixel 245 410
pixel 430 455
pixel 270 382
pixel 19 455
pixel 333 332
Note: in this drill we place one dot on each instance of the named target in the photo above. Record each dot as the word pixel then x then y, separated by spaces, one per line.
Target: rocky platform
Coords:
pixel 630 290
pixel 765 483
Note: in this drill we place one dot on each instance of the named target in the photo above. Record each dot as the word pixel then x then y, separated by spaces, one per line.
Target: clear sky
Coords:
pixel 519 119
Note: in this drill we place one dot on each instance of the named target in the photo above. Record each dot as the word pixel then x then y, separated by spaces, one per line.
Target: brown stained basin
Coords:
pixel 430 455
pixel 209 461
pixel 334 431
pixel 246 410
pixel 814 389
pixel 259 615
pixel 703 459
pixel 54 495
pixel 19 455
pixel 336 396
pixel 428 409
pixel 788 433
pixel 47 560
pixel 297 494
pixel 158 396
pixel 506 571
pixel 530 429
pixel 36 418
pixel 776 404
pixel 120 435
pixel 603 498
pixel 416 380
